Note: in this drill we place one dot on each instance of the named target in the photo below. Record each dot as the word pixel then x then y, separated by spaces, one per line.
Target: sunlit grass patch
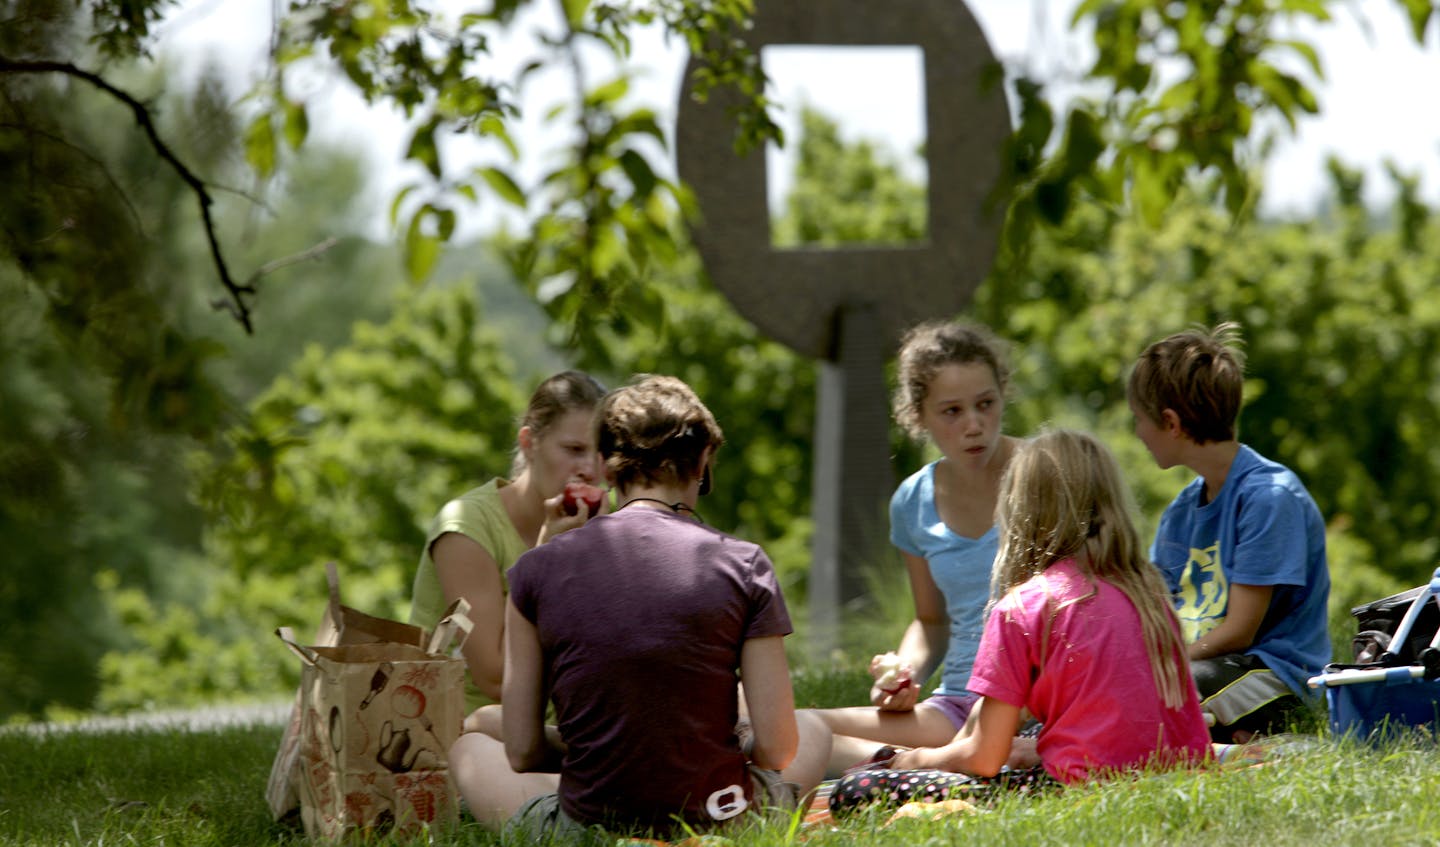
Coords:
pixel 175 787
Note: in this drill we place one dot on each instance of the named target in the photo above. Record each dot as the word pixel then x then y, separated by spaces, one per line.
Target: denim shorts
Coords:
pixel 541 820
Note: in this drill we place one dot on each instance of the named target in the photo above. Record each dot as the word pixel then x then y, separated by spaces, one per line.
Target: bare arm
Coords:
pixel 926 638
pixel 979 749
pixel 556 521
pixel 466 569
pixel 770 701
pixel 527 744
pixel 1246 609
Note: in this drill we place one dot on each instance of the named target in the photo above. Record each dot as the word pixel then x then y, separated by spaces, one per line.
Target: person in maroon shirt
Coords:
pixel 638 627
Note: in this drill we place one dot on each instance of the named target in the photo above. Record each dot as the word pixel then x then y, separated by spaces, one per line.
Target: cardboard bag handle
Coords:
pixel 456 620
pixel 332 580
pixel 308 656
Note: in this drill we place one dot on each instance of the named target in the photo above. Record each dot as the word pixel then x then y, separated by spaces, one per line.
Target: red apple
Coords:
pixel 577 491
pixel 897 687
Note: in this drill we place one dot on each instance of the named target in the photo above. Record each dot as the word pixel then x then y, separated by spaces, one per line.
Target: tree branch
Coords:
pixel 293 259
pixel 236 305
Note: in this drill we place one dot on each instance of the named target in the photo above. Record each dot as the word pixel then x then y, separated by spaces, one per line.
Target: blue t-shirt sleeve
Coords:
pixel 1270 541
pixel 1168 552
pixel 902 521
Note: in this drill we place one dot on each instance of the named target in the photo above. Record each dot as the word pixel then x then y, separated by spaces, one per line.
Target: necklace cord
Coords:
pixel 676 507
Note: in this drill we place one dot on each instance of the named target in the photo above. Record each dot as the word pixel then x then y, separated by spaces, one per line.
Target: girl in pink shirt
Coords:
pixel 1081 635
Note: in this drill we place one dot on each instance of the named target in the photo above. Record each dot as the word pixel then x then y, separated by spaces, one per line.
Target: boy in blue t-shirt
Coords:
pixel 1242 547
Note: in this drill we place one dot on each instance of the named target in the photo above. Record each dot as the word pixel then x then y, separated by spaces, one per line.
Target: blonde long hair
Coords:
pixel 1062 497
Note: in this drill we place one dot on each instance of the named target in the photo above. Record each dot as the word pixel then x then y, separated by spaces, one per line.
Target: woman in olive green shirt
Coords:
pixel 477 536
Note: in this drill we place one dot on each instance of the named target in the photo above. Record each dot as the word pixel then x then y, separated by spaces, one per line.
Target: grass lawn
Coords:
pixel 174 787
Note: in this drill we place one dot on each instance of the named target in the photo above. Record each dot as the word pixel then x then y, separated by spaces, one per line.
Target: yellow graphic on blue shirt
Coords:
pixel 1204 593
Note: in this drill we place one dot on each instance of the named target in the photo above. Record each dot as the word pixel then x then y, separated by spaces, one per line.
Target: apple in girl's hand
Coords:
pixel 578 491
pixel 893 676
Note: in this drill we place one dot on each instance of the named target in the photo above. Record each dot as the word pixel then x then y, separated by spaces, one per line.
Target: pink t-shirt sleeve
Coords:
pixel 1003 663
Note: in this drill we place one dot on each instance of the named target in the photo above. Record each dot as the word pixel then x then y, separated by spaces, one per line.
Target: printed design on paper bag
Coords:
pixel 377 683
pixel 422 676
pixel 320 775
pixel 394 745
pixel 424 790
pixel 317 763
pixel 337 729
pixel 408 701
pixel 357 734
pixel 313 745
pixel 356 804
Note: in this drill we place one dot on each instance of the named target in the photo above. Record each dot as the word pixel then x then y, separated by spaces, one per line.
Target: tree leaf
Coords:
pixel 492 126
pixel 609 92
pixel 1420 12
pixel 1311 56
pixel 1052 199
pixel 260 144
pixel 641 121
pixel 422 250
pixel 444 223
pixel 1083 143
pixel 502 184
pixel 422 148
pixel 575 12
pixel 297 124
pixel 641 175
pixel 399 200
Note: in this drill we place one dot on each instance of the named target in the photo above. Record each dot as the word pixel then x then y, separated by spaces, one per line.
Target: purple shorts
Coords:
pixel 956 707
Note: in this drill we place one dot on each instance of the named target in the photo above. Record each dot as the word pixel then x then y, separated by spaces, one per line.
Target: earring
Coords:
pixel 705 480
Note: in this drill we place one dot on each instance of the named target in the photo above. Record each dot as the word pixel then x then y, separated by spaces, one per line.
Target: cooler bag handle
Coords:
pixel 1430 656
pixel 1385 669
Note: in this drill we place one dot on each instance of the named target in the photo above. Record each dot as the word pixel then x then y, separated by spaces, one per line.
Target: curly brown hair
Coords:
pixel 654 431
pixel 930 346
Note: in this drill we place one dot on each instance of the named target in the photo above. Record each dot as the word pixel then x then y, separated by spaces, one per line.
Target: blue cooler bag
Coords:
pixel 1385 698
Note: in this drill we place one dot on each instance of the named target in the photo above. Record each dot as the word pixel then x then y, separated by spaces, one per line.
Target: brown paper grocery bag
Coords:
pixel 376 724
pixel 339 625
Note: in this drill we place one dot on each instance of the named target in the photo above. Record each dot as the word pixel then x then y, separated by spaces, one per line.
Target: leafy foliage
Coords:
pixel 1129 215
pixel 344 459
pixel 113 365
pixel 847 193
pixel 600 217
pixel 341 458
pixel 1180 95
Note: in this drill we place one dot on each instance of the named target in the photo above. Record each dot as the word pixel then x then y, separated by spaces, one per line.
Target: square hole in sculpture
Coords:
pixel 852 171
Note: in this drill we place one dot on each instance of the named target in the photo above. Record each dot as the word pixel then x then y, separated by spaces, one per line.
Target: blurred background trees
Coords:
pixel 170 486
